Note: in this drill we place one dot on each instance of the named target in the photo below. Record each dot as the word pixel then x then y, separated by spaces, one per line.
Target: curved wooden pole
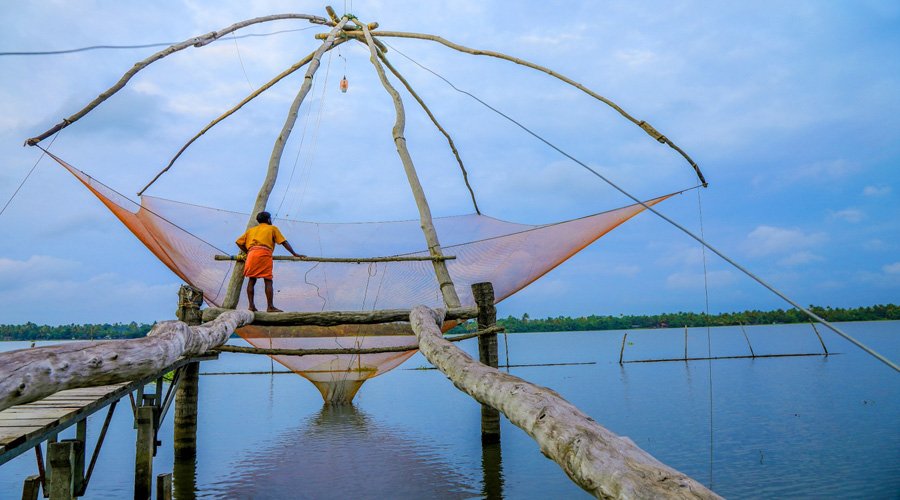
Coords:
pixel 197 41
pixel 436 124
pixel 30 374
pixel 451 299
pixel 299 64
pixel 237 275
pixel 602 463
pixel 478 52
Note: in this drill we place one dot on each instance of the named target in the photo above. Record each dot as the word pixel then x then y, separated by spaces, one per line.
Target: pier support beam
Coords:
pixel 186 395
pixel 143 456
pixel 487 354
pixel 61 457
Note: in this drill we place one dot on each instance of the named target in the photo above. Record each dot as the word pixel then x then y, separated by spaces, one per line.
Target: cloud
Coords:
pixel 36 268
pixel 769 240
pixel 798 258
pixel 891 268
pixel 851 215
pixel 814 173
pixel 876 191
pixel 875 244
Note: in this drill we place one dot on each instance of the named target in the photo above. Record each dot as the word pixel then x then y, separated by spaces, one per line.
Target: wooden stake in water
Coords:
pixel 622 350
pixel 752 354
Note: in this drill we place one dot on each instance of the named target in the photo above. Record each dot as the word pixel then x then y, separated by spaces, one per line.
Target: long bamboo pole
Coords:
pixel 237 275
pixel 197 41
pixel 451 299
pixel 602 463
pixel 299 64
pixel 646 127
pixel 436 124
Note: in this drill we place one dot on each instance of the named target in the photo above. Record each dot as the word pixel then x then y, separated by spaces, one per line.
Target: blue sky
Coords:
pixel 792 109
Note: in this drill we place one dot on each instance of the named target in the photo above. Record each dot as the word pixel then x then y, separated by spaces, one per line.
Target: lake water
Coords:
pixel 793 427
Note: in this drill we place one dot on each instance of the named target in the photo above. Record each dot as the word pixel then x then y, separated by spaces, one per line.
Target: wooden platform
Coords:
pixel 23 427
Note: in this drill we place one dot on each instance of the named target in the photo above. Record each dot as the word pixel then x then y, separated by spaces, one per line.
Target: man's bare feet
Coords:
pixel 274 310
pixel 252 308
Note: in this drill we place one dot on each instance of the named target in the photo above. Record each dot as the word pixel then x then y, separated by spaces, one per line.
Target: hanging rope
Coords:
pixel 680 227
pixel 708 340
pixel 43 153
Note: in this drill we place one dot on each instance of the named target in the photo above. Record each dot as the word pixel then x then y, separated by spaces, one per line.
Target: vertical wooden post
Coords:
pixel 189 301
pixel 487 354
pixel 61 457
pixel 685 342
pixel 143 457
pixel 752 354
pixel 31 488
pixel 186 394
pixel 164 486
pixel 820 338
pixel 622 349
pixel 78 463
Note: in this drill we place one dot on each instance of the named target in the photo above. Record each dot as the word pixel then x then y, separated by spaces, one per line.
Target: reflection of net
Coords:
pixel 186 237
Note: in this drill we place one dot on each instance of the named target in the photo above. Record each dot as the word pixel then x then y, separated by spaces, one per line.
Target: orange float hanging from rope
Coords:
pixel 344 85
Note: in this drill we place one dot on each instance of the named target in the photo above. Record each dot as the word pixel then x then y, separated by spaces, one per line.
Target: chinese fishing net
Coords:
pixel 186 238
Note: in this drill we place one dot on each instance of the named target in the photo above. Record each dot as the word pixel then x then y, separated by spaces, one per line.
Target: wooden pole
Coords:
pixel 197 41
pixel 334 318
pixel 61 456
pixel 143 454
pixel 237 275
pixel 434 120
pixel 820 338
pixel 80 443
pixel 184 440
pixel 622 349
pixel 164 486
pixel 487 354
pixel 604 464
pixel 31 488
pixel 646 127
pixel 451 299
pixel 189 301
pixel 27 375
pixel 685 342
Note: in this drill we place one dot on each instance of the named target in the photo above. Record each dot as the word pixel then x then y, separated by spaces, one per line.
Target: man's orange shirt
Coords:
pixel 265 235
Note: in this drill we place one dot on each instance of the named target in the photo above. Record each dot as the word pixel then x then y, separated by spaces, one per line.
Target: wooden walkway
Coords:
pixel 25 426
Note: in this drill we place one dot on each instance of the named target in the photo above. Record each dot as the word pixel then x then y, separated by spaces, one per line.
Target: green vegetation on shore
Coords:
pixel 682 319
pixel 31 331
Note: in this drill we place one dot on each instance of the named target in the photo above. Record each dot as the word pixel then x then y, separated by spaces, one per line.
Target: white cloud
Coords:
pixel 891 268
pixel 798 258
pixel 35 269
pixel 815 173
pixel 875 244
pixel 851 215
pixel 876 190
pixel 771 240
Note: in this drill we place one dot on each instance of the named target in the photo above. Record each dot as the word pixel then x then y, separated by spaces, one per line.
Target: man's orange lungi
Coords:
pixel 258 263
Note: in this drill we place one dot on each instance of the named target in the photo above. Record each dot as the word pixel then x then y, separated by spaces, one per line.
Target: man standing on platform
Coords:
pixel 257 243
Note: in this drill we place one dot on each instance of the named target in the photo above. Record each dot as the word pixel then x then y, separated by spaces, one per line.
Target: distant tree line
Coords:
pixel 691 319
pixel 31 331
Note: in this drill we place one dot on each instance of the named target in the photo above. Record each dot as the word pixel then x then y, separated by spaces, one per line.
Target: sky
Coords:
pixel 791 109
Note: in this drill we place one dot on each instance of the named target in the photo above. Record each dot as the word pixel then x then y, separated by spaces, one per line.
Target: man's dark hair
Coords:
pixel 264 217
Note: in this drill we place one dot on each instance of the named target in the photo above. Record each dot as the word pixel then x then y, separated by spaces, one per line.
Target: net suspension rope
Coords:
pixel 699 238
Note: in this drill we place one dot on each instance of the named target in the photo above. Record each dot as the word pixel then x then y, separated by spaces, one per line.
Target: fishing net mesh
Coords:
pixel 186 238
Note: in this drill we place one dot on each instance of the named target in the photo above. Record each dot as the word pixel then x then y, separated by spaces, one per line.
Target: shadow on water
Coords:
pixel 342 452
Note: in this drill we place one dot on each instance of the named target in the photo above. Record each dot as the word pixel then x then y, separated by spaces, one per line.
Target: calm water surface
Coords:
pixel 781 427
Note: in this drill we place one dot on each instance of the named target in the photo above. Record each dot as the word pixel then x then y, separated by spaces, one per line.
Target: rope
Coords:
pixel 241 60
pixel 142 46
pixel 708 340
pixel 683 229
pixel 44 153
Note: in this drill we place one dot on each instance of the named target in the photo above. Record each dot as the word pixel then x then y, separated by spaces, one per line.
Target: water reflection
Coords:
pixel 341 452
pixel 492 467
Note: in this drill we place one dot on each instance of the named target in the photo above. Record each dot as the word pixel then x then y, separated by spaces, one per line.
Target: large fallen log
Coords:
pixel 30 374
pixel 604 464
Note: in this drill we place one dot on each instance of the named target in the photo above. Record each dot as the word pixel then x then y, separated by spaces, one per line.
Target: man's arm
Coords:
pixel 287 246
pixel 242 247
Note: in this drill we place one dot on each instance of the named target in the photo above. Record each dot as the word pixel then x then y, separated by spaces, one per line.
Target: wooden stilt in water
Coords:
pixel 164 486
pixel 143 456
pixel 61 457
pixel 752 354
pixel 622 349
pixel 685 342
pixel 78 463
pixel 487 354
pixel 31 488
pixel 186 394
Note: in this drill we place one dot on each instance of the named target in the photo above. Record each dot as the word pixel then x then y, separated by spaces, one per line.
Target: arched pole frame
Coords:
pixel 233 292
pixel 448 291
pixel 197 41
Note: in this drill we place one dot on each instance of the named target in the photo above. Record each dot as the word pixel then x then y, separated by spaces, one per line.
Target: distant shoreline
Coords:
pixel 33 332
